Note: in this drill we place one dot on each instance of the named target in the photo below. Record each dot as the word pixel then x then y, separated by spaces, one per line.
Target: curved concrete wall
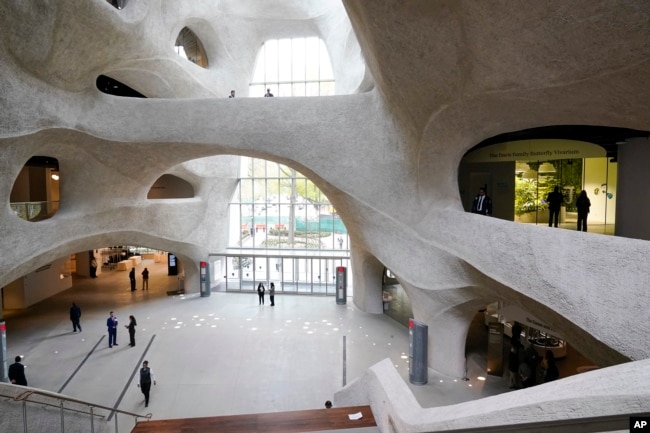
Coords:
pixel 445 76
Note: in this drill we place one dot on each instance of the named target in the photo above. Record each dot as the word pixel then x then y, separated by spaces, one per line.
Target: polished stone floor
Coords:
pixel 218 355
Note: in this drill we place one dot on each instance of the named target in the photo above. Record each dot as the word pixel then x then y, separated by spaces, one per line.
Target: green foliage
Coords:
pixel 525 196
pixel 304 243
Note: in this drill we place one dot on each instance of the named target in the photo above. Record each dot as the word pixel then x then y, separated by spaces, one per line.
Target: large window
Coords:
pixel 283 229
pixel 276 207
pixel 534 180
pixel 293 67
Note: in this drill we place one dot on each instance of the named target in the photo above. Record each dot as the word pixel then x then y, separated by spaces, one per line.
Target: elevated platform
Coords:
pixel 318 420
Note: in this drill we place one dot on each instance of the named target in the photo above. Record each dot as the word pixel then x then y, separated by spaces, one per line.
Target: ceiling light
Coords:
pixel 55 176
pixel 546 167
pixel 529 174
pixel 521 167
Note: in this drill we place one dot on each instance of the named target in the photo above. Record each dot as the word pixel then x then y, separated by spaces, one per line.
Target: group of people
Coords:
pixel 111 324
pixel 16 371
pixel 555 200
pixel 482 205
pixel 268 94
pixel 261 290
pixel 145 279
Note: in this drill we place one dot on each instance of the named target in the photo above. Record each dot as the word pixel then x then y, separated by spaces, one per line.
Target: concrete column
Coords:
pixel 368 273
pixel 632 207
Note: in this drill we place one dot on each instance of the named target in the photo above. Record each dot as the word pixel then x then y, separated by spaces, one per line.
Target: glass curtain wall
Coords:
pixel 277 208
pixel 296 237
pixel 534 180
pixel 297 275
pixel 293 67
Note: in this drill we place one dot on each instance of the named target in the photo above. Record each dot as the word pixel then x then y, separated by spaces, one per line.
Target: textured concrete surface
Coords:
pixel 439 77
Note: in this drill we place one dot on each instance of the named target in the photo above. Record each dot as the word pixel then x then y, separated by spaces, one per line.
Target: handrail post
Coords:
pixel 62 416
pixel 116 428
pixel 25 415
pixel 92 420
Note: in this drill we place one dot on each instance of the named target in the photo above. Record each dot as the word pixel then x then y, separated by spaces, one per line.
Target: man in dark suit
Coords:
pixel 554 200
pixel 146 378
pixel 482 203
pixel 17 373
pixel 111 324
pixel 132 279
pixel 75 316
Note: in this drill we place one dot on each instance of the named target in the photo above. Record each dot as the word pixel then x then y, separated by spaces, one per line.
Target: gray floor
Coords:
pixel 218 355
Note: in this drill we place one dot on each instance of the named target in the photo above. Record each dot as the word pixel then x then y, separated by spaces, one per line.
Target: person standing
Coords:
pixel 145 279
pixel 260 293
pixel 268 94
pixel 132 279
pixel 17 372
pixel 551 371
pixel 131 327
pixel 513 366
pixel 554 200
pixel 583 204
pixel 145 380
pixel 232 94
pixel 111 324
pixel 272 294
pixel 75 316
pixel 93 268
pixel 482 204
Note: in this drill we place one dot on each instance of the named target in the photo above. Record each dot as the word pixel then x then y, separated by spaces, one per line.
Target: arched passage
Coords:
pixel 170 186
pixel 35 193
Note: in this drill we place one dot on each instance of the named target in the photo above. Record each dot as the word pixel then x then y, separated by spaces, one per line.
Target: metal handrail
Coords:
pixel 24 398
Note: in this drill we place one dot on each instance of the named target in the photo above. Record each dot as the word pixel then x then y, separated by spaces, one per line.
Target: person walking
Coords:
pixel 583 204
pixel 272 294
pixel 482 204
pixel 131 327
pixel 260 293
pixel 554 200
pixel 132 279
pixel 111 324
pixel 145 279
pixel 17 372
pixel 145 380
pixel 75 316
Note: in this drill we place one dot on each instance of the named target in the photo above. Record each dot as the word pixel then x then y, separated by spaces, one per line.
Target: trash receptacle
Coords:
pixel 418 346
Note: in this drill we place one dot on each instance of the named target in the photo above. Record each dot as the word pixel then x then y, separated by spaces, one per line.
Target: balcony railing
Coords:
pixel 35 210
pixel 65 406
